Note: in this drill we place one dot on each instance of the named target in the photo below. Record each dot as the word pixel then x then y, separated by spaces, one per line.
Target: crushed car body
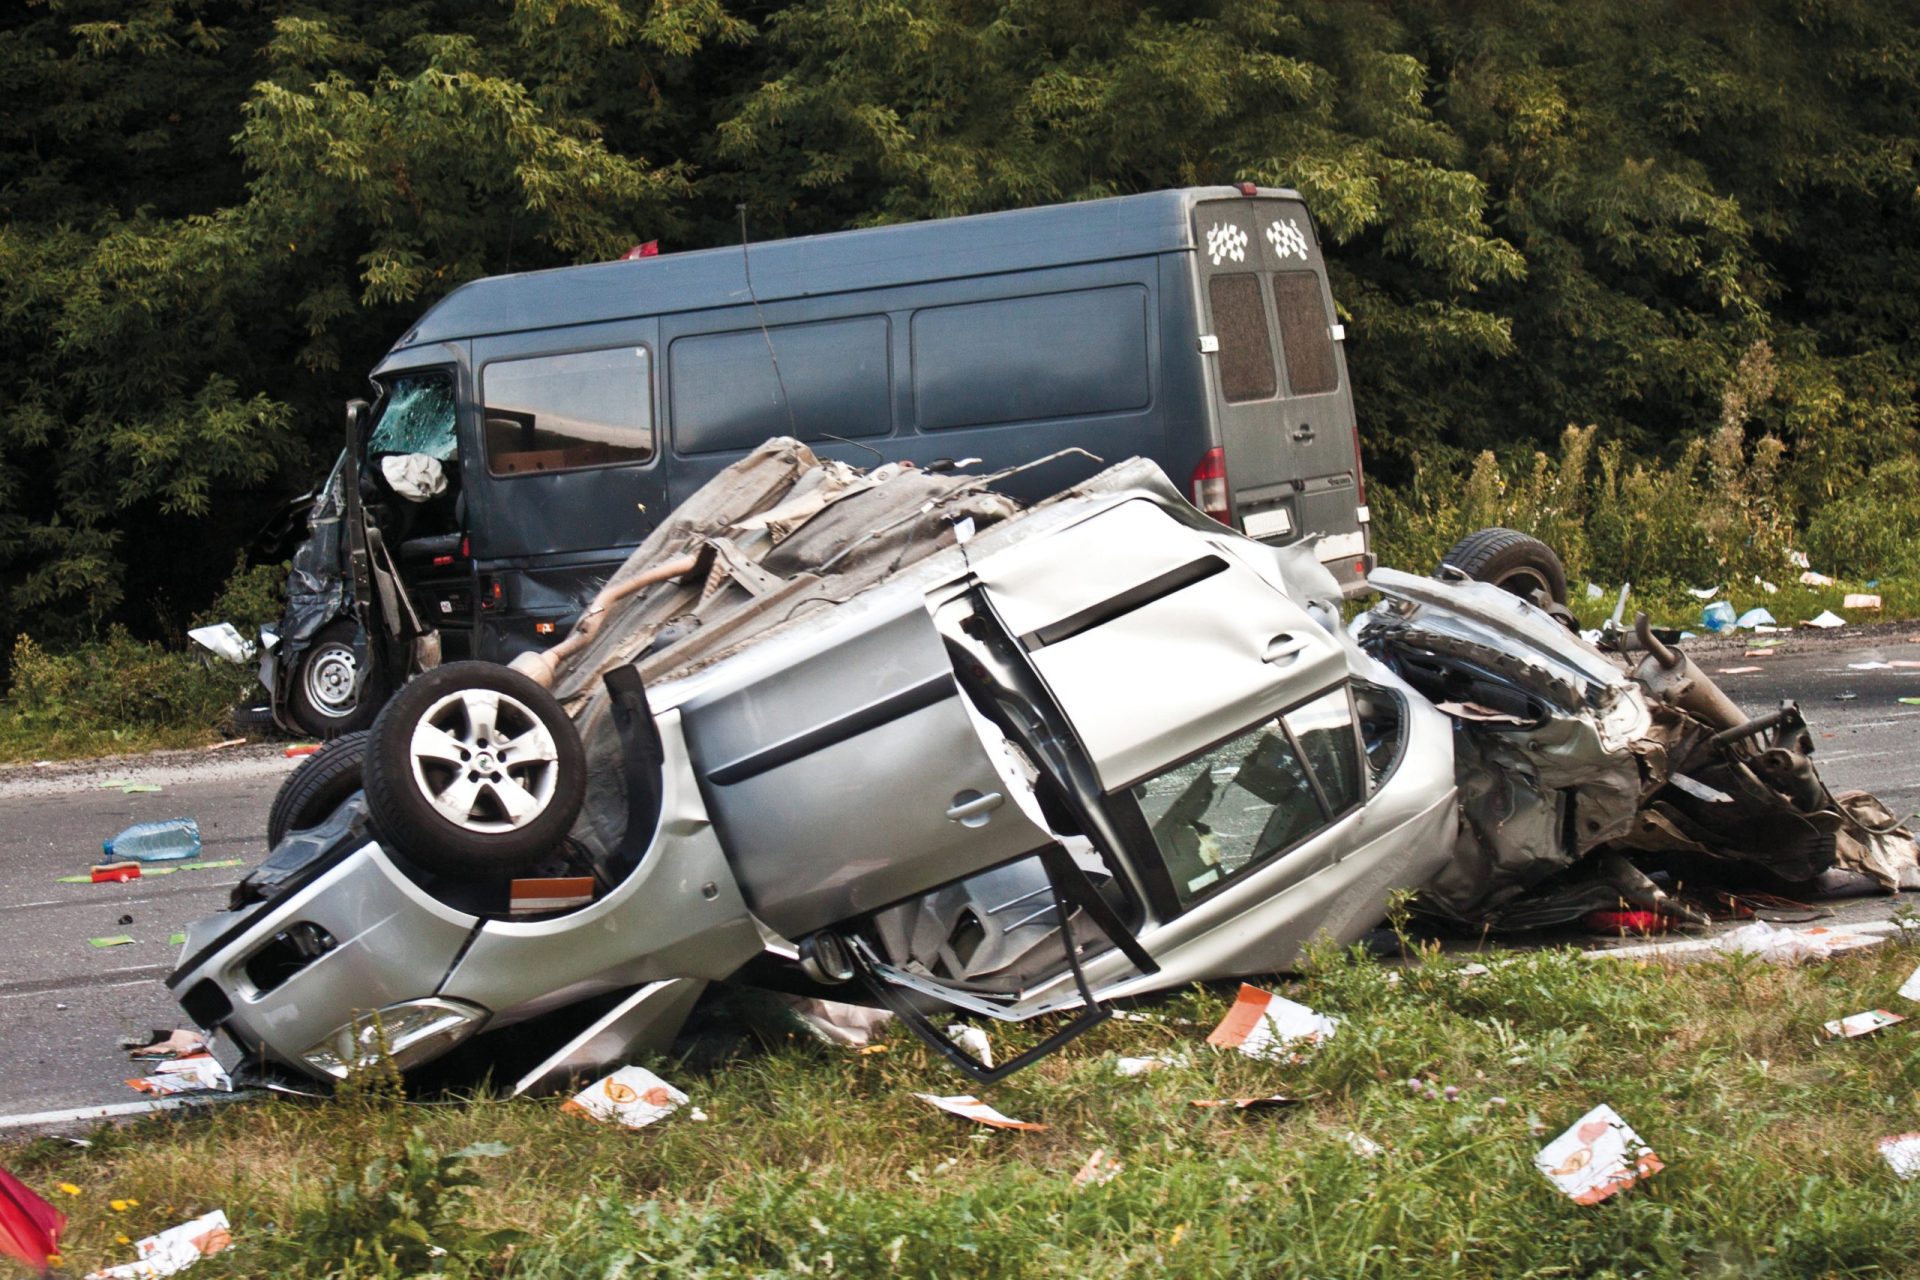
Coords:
pixel 885 737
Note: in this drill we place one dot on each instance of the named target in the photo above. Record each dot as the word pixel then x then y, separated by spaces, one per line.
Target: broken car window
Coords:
pixel 418 417
pixel 557 413
pixel 1229 809
pixel 1324 730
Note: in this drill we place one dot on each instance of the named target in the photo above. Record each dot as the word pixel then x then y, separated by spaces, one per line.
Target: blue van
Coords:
pixel 530 429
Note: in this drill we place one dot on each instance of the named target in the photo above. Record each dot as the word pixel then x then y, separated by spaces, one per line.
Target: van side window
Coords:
pixel 560 413
pixel 1305 335
pixel 1052 355
pixel 1246 348
pixel 833 377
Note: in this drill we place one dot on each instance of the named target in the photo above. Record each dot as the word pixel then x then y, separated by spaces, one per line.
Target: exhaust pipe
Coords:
pixel 544 668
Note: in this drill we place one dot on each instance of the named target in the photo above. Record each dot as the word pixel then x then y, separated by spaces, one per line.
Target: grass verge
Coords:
pixel 819 1162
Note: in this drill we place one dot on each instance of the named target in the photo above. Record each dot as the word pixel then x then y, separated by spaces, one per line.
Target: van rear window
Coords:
pixel 1246 349
pixel 1052 355
pixel 563 412
pixel 1305 334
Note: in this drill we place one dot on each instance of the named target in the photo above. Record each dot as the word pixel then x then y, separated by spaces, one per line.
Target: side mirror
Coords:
pixel 358 412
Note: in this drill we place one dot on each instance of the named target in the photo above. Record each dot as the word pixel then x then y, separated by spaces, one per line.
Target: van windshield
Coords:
pixel 417 417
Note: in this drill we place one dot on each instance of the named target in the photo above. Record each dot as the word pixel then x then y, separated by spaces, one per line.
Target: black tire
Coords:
pixel 1513 561
pixel 413 796
pixel 249 718
pixel 318 697
pixel 313 791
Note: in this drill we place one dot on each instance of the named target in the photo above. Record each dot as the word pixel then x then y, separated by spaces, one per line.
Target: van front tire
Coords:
pixel 321 698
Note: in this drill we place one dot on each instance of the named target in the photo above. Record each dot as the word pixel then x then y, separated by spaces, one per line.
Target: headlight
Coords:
pixel 411 1033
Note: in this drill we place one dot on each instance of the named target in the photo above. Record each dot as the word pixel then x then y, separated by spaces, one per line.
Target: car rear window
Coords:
pixel 564 412
pixel 1306 336
pixel 1230 808
pixel 1246 349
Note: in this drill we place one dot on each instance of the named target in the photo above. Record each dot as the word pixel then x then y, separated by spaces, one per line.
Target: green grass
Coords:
pixel 820 1162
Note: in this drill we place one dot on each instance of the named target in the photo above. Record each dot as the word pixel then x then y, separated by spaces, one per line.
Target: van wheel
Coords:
pixel 321 698
pixel 474 771
pixel 320 785
pixel 1513 561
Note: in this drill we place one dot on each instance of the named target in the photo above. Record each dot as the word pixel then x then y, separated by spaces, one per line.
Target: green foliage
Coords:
pixel 1872 529
pixel 115 690
pixel 252 597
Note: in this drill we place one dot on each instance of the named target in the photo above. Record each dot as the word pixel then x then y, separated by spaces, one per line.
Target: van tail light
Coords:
pixel 1359 471
pixel 1209 485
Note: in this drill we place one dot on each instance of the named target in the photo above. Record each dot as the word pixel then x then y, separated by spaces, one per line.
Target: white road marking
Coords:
pixel 115 1110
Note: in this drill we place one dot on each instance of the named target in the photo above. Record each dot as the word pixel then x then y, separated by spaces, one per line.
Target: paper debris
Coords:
pixel 1739 671
pixel 1759 653
pixel 1703 593
pixel 176 939
pixel 632 1096
pixel 117 940
pixel 971 1108
pixel 1598 1156
pixel 1790 946
pixel 194 1074
pixel 1827 620
pixel 852 1025
pixel 113 873
pixel 1247 1104
pixel 1764 585
pixel 1594 592
pixel 1754 618
pixel 1860 600
pixel 174 1249
pixel 1902 1153
pixel 533 897
pixel 1812 579
pixel 973 1040
pixel 1855 1025
pixel 1361 1145
pixel 1798 559
pixel 1099 1169
pixel 1911 987
pixel 1151 1062
pixel 179 1043
pixel 1262 1025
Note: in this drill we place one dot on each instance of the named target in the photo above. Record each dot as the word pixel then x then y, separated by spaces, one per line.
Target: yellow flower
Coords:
pixel 123 1239
pixel 70 1189
pixel 119 1206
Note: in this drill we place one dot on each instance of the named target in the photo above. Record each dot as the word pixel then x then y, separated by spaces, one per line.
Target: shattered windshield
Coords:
pixel 418 417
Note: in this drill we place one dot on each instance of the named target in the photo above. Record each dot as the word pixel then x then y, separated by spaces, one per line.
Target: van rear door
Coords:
pixel 1280 389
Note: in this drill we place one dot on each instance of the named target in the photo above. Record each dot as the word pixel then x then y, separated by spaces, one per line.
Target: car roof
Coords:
pixel 870 258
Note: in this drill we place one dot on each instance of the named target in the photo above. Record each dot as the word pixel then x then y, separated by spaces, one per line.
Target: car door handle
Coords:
pixel 970 808
pixel 1303 433
pixel 1284 647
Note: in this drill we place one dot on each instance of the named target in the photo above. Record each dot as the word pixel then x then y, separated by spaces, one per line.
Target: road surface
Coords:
pixel 65 1006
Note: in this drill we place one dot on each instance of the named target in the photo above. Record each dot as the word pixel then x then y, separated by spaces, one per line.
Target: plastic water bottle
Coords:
pixel 168 841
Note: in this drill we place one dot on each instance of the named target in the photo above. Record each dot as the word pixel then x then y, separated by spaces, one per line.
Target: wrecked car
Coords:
pixel 880 737
pixel 887 738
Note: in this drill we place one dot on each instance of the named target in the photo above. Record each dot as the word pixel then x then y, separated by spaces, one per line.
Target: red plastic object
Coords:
pixel 649 249
pixel 29 1226
pixel 116 872
pixel 1640 922
pixel 301 749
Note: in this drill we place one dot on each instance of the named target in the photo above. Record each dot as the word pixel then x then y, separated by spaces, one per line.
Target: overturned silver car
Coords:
pixel 886 738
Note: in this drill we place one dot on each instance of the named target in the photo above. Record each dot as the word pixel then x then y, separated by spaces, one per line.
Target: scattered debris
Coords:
pixel 631 1096
pixel 1764 585
pixel 1902 1154
pixel 1597 1157
pixel 973 1040
pixel 191 1074
pixel 169 840
pixel 1855 1025
pixel 1640 923
pixel 1717 616
pixel 174 1249
pixel 1812 579
pixel 1754 618
pixel 1099 1169
pixel 1860 600
pixel 160 1043
pixel 149 870
pixel 113 873
pixel 971 1108
pixel 1910 989
pixel 224 640
pixel 1826 620
pixel 852 1025
pixel 1870 665
pixel 29 1226
pixel 1791 946
pixel 1361 1145
pixel 117 940
pixel 1703 593
pixel 1908 702
pixel 230 742
pixel 1151 1062
pixel 1594 592
pixel 1247 1104
pixel 1739 671
pixel 299 749
pixel 1263 1025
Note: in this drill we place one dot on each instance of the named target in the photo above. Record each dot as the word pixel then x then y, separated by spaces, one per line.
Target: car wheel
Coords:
pixel 321 698
pixel 313 791
pixel 1513 561
pixel 474 770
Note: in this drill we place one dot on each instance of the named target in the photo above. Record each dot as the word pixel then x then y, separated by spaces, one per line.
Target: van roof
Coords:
pixel 872 258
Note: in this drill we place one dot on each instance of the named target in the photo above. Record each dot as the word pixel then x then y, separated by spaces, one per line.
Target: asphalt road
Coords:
pixel 65 1006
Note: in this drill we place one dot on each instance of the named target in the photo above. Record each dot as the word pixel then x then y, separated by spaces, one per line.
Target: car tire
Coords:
pixel 247 717
pixel 313 791
pixel 1511 560
pixel 320 696
pixel 474 770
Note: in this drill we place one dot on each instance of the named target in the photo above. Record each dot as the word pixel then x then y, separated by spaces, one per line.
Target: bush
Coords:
pixel 251 598
pixel 116 691
pixel 1874 528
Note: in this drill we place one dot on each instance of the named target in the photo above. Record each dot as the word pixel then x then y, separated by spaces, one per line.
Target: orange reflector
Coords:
pixel 543 628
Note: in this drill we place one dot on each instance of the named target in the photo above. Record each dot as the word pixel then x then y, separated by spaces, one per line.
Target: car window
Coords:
pixel 563 412
pixel 1229 809
pixel 1246 348
pixel 1324 730
pixel 417 417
